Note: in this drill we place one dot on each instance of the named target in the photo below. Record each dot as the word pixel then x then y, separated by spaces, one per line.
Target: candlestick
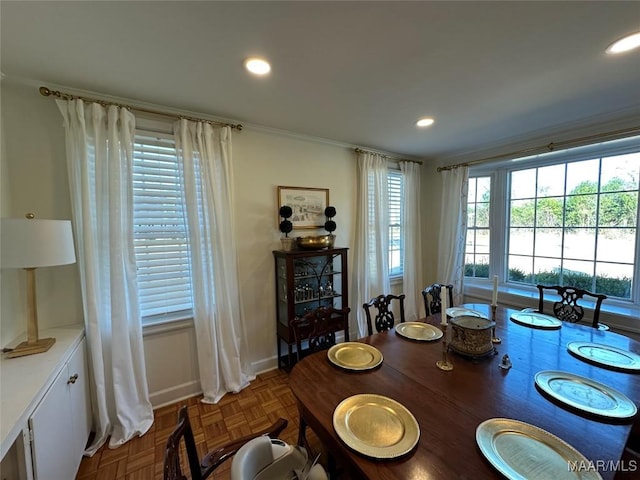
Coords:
pixel 443 305
pixel 494 339
pixel 494 298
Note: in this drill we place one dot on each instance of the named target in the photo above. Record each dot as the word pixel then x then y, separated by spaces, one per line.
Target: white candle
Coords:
pixel 494 298
pixel 443 303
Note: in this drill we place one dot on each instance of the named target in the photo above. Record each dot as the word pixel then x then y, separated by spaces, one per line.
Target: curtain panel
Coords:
pixel 99 144
pixel 204 156
pixel 453 229
pixel 411 221
pixel 371 249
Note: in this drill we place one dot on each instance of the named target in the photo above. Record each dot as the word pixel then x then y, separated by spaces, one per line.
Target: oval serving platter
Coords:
pixel 355 356
pixel 606 356
pixel 585 394
pixel 376 426
pixel 418 331
pixel 521 451
pixel 536 320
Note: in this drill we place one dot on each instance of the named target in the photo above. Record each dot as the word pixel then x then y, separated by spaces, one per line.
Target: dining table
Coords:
pixel 449 406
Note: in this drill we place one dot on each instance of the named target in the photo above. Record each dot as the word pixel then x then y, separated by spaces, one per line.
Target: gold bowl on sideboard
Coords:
pixel 317 242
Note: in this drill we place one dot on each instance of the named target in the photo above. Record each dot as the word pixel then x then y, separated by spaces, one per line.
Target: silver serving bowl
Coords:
pixel 315 242
pixel 471 336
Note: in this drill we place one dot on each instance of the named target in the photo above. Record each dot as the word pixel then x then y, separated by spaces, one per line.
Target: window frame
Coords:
pixel 520 294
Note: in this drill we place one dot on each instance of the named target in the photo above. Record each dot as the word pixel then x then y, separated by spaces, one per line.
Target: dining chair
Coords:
pixel 568 309
pixel 318 327
pixel 201 469
pixel 432 298
pixel 384 318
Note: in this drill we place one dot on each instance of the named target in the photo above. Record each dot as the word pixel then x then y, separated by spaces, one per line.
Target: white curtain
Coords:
pixel 99 143
pixel 411 221
pixel 204 154
pixel 453 229
pixel 371 250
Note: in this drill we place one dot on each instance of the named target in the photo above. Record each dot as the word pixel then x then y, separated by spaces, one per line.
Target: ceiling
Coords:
pixel 492 74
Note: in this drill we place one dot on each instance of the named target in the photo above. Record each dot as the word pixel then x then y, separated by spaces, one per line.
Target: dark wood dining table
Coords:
pixel 449 405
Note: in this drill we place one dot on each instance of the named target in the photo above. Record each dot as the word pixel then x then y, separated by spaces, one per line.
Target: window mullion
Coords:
pixel 499 213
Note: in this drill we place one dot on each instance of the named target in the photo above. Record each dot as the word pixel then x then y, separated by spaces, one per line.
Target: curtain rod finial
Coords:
pixel 45 91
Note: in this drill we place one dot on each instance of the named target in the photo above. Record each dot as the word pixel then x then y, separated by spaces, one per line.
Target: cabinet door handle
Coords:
pixel 72 378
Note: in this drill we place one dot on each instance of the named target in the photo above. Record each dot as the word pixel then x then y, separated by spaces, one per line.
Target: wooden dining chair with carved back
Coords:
pixel 432 296
pixel 318 327
pixel 567 308
pixel 382 307
pixel 202 468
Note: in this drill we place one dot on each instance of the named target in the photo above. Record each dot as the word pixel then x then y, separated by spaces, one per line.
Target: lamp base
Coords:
pixel 26 348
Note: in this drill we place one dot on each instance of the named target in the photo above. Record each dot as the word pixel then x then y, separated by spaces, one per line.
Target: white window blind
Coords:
pixel 160 234
pixel 396 236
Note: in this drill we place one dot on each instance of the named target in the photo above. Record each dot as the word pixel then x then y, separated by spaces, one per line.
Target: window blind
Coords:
pixel 160 233
pixel 396 241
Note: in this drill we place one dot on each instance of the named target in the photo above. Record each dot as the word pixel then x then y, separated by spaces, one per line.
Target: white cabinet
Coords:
pixel 59 424
pixel 45 409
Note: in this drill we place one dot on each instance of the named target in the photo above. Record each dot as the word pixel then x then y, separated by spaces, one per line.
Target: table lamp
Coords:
pixel 32 243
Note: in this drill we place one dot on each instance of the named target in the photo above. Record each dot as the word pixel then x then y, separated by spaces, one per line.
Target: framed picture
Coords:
pixel 308 205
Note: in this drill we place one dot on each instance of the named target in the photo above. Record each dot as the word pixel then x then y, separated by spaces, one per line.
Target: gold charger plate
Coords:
pixel 418 331
pixel 606 356
pixel 585 394
pixel 354 356
pixel 536 320
pixel 461 311
pixel 521 451
pixel 376 426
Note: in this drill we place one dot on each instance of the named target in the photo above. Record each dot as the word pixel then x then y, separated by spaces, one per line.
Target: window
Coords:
pixel 568 217
pixel 396 236
pixel 477 252
pixel 575 224
pixel 160 235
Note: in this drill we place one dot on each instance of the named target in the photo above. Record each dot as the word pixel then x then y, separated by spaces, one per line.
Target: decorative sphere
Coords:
pixel 285 211
pixel 330 212
pixel 329 225
pixel 286 226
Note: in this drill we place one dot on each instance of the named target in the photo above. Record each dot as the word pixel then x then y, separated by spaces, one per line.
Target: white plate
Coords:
pixel 536 320
pixel 585 394
pixel 354 356
pixel 521 451
pixel 460 311
pixel 376 426
pixel 606 356
pixel 418 331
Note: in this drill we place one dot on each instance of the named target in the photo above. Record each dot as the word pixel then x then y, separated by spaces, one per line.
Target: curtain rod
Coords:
pixel 360 150
pixel 46 92
pixel 563 145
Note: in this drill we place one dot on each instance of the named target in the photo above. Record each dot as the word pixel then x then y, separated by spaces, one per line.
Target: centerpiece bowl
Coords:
pixel 315 242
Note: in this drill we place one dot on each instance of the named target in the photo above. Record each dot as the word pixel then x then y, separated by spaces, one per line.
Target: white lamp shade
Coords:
pixel 31 243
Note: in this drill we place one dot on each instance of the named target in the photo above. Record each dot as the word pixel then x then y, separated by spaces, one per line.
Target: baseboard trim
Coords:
pixel 174 394
pixel 265 365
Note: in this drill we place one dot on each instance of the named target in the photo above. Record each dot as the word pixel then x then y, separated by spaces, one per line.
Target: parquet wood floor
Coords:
pixel 256 407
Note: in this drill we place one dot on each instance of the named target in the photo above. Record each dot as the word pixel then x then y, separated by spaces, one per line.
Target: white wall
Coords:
pixel 274 160
pixel 35 176
pixel 35 180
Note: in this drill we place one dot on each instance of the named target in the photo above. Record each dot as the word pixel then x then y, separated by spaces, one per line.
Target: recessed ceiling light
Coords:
pixel 257 66
pixel 425 122
pixel 625 44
